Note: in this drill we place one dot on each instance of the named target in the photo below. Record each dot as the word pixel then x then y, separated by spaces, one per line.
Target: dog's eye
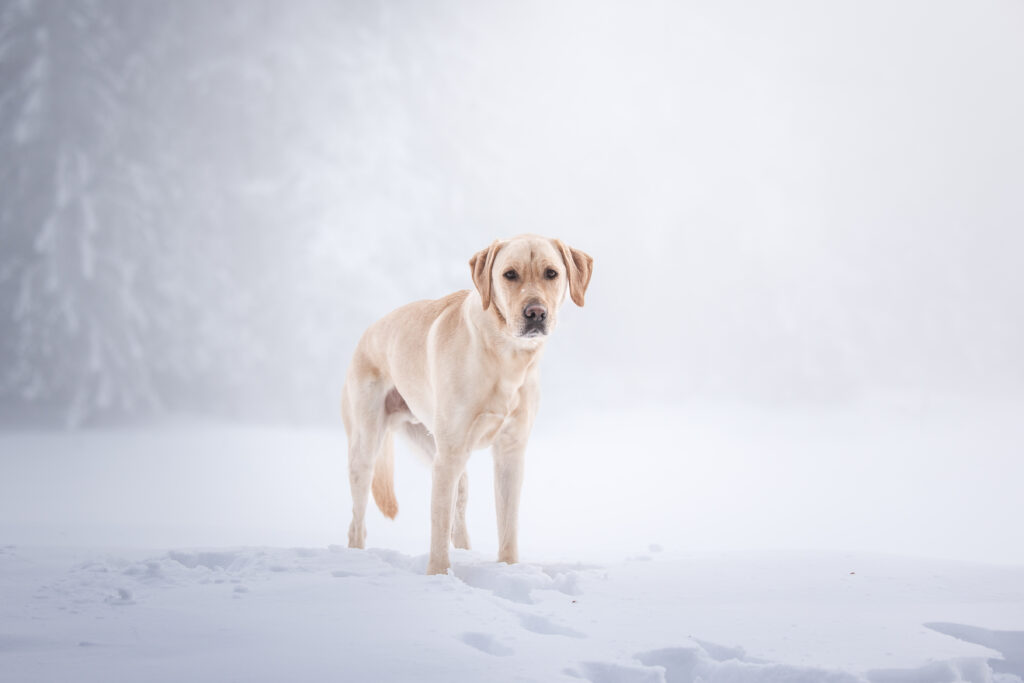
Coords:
pixel 511 275
pixel 551 273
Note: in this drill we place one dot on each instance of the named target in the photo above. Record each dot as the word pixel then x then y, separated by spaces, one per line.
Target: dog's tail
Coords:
pixel 383 486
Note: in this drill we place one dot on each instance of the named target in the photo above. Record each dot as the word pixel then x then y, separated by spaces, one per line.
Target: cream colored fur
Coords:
pixel 455 375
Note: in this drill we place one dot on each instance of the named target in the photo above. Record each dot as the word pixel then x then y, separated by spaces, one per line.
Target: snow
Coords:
pixel 270 614
pixel 203 551
pixel 936 479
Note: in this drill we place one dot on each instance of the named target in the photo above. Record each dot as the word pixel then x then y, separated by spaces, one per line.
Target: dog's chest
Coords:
pixel 496 416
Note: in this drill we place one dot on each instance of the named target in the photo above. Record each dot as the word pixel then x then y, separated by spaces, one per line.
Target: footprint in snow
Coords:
pixel 211 560
pixel 606 672
pixel 518 581
pixel 712 662
pixel 485 642
pixel 123 597
pixel 544 626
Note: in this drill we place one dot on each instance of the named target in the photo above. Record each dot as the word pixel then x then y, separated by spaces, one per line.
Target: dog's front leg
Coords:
pixel 460 533
pixel 449 464
pixel 509 460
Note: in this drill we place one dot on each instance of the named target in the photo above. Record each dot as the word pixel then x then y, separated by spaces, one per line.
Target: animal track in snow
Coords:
pixel 604 672
pixel 535 623
pixel 123 597
pixel 518 581
pixel 210 560
pixel 485 642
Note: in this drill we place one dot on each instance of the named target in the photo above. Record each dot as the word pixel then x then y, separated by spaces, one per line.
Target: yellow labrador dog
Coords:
pixel 455 375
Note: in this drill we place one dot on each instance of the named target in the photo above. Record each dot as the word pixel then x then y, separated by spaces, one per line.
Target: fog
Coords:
pixel 204 205
pixel 804 328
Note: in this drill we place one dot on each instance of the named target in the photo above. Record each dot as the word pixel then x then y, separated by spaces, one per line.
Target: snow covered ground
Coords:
pixel 344 615
pixel 206 552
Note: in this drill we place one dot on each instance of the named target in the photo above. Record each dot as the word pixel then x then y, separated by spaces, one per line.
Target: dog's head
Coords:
pixel 524 280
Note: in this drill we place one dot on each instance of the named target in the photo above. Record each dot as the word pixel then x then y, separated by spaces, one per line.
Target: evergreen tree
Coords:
pixel 73 311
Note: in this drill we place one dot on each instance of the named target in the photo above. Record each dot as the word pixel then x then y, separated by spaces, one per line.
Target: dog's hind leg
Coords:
pixel 364 416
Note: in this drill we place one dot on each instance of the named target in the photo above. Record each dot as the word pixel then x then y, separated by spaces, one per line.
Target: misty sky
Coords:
pixel 791 201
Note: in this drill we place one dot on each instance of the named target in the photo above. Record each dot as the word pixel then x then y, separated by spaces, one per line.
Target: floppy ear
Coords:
pixel 480 265
pixel 580 267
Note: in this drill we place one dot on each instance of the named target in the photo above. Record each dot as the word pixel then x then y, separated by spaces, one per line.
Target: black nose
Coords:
pixel 535 312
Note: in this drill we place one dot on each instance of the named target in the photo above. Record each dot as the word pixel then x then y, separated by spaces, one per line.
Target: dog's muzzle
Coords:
pixel 534 320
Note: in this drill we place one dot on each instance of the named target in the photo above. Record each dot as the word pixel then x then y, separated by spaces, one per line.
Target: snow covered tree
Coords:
pixel 71 306
pixel 195 195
